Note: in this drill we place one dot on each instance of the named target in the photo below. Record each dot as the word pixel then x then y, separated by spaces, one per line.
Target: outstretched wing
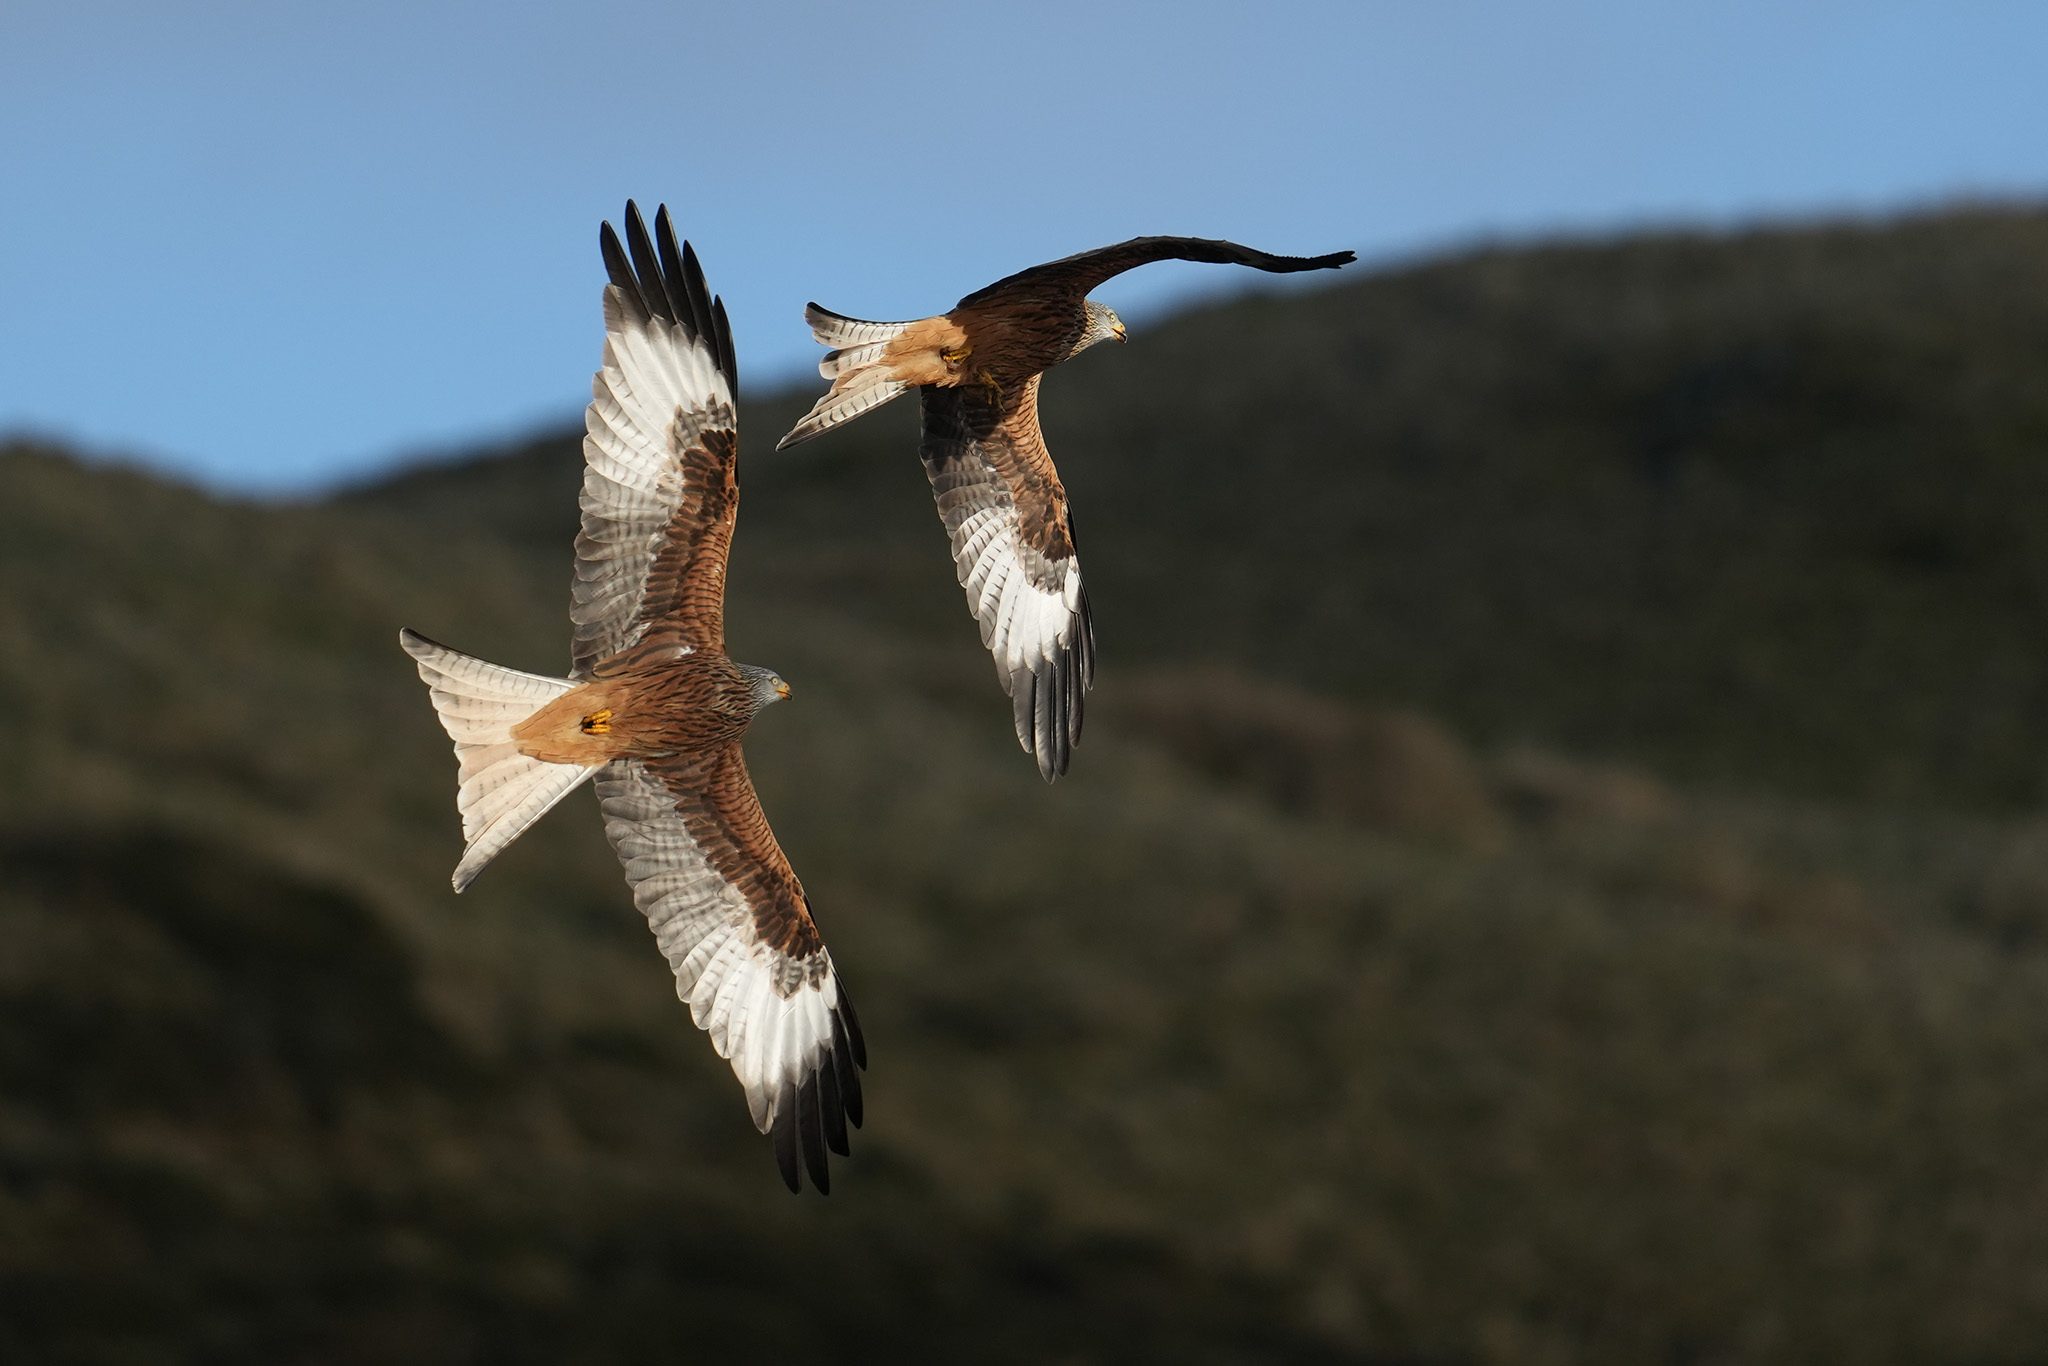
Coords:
pixel 1080 273
pixel 731 918
pixel 659 483
pixel 1013 545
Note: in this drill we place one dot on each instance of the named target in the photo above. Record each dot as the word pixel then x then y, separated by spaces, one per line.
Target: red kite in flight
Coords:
pixel 1012 529
pixel 653 710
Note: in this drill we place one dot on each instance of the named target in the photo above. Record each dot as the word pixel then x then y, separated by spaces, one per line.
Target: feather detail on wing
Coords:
pixel 659 483
pixel 730 916
pixel 1012 534
pixel 1081 272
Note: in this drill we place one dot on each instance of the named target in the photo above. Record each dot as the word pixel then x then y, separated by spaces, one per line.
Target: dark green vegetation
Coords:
pixel 1556 871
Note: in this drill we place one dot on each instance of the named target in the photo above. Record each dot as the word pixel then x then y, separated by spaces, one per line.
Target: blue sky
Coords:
pixel 271 245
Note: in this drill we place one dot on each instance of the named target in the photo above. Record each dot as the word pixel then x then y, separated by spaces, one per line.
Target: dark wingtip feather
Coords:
pixel 784 1136
pixel 811 1116
pixel 674 278
pixel 1052 719
pixel 810 1131
pixel 1288 265
pixel 853 1034
pixel 1023 688
pixel 664 277
pixel 616 266
pixel 1063 716
pixel 1042 703
pixel 1084 671
pixel 832 1108
pixel 646 264
pixel 1049 701
pixel 698 293
pixel 844 1071
pixel 721 330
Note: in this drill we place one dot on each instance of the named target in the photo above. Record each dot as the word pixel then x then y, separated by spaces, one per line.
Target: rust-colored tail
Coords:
pixel 858 366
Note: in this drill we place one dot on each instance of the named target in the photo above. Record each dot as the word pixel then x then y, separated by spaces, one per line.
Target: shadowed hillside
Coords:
pixel 1555 871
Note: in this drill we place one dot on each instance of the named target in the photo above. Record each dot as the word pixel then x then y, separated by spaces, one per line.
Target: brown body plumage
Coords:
pixel 653 711
pixel 976 369
pixel 643 703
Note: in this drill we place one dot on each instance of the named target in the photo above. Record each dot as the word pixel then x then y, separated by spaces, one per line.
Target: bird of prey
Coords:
pixel 977 370
pixel 653 710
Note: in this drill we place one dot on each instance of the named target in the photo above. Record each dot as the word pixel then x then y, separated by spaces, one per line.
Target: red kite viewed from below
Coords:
pixel 1005 510
pixel 653 710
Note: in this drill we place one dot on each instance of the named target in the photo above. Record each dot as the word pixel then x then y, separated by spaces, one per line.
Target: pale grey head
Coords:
pixel 764 686
pixel 1103 325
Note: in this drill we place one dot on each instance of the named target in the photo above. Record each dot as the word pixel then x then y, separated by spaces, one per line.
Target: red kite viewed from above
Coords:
pixel 1005 510
pixel 653 710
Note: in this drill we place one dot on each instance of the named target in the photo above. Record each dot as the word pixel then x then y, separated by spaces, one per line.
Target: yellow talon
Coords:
pixel 598 722
pixel 953 355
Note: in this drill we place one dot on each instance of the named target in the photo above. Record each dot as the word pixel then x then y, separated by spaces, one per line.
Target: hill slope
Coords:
pixel 1554 878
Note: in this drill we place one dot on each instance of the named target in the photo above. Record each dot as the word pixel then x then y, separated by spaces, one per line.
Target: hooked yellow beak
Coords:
pixel 782 690
pixel 1118 329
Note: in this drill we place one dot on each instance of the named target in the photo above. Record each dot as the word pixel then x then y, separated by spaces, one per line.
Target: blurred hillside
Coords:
pixel 1556 871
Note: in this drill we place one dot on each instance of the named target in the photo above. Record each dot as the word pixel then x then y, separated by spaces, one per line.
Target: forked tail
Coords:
pixel 858 366
pixel 502 791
